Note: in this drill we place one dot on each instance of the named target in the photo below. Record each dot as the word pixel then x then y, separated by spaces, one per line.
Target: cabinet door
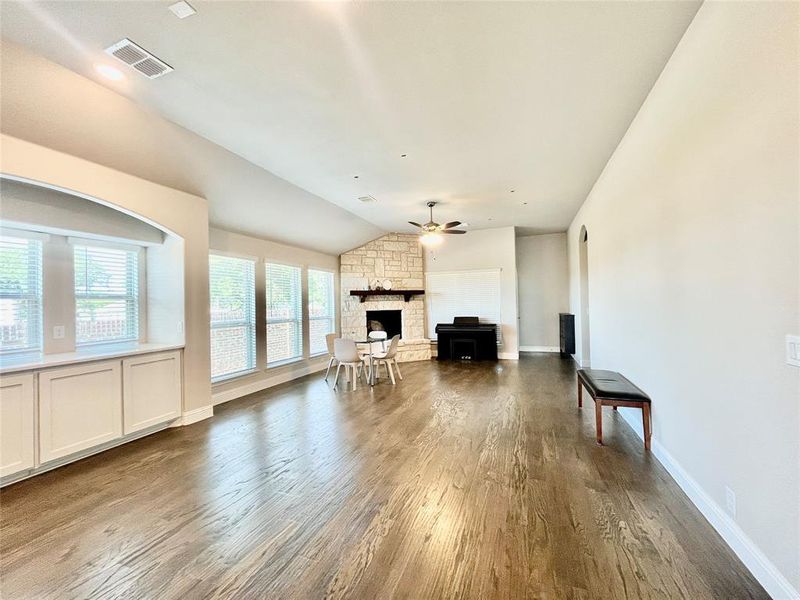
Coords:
pixel 151 390
pixel 16 424
pixel 79 407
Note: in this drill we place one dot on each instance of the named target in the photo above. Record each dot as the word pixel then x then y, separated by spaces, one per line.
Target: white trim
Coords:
pixel 508 355
pixel 235 375
pixel 193 416
pixel 267 382
pixel 748 552
pixel 104 243
pixel 22 233
pixel 539 349
pixel 255 259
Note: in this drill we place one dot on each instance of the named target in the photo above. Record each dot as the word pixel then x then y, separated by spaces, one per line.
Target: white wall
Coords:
pixel 267 251
pixel 543 280
pixel 485 249
pixel 694 274
pixel 56 212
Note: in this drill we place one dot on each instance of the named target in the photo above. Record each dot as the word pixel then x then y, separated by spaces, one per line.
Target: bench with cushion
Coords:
pixel 609 388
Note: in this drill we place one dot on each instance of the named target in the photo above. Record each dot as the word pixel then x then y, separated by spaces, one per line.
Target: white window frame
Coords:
pixel 252 341
pixel 139 298
pixel 331 318
pixel 300 320
pixel 38 325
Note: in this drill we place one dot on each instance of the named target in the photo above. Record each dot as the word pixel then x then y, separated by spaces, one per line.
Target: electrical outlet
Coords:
pixel 180 326
pixel 59 331
pixel 793 350
pixel 730 501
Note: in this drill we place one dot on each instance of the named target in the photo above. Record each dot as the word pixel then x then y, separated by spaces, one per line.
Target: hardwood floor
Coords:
pixel 463 481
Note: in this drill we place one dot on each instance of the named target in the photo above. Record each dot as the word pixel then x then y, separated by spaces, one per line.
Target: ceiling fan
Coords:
pixel 431 231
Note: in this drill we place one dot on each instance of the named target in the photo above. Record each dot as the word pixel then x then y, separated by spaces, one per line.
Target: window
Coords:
pixel 284 313
pixel 106 294
pixel 20 294
pixel 321 313
pixel 233 315
pixel 463 293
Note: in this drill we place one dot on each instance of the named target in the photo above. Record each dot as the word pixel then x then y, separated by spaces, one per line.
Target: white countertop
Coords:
pixel 28 362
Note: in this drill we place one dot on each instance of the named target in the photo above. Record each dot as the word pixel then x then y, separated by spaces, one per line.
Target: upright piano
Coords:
pixel 466 339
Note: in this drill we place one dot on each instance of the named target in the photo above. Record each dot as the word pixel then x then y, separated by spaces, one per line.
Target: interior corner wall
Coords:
pixel 694 275
pixel 181 213
pixel 543 281
pixel 485 249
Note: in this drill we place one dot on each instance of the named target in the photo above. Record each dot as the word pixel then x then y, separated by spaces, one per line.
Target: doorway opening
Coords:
pixel 583 253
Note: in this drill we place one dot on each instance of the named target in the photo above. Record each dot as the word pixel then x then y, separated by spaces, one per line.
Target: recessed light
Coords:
pixel 512 191
pixel 182 9
pixel 367 199
pixel 109 72
pixel 355 176
pixel 403 155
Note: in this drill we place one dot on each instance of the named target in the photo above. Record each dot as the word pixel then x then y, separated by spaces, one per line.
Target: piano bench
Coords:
pixel 609 388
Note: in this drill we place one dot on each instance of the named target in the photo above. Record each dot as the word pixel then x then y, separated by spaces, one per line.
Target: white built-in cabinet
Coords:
pixel 151 386
pixel 17 406
pixel 79 407
pixel 83 408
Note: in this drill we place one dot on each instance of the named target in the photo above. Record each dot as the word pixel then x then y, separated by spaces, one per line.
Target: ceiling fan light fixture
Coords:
pixel 430 239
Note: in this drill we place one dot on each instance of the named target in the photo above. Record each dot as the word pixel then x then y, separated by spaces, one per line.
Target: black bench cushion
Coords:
pixel 610 384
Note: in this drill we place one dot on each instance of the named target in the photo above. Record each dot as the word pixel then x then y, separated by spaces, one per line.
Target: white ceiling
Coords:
pixel 482 97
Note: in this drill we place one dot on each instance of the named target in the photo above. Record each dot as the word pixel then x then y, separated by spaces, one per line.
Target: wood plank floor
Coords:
pixel 464 481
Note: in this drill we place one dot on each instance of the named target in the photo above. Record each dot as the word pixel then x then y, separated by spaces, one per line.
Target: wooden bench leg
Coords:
pixel 598 417
pixel 646 424
pixel 580 393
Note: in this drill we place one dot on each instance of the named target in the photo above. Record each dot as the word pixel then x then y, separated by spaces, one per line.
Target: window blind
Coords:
pixel 20 295
pixel 233 315
pixel 284 313
pixel 321 309
pixel 106 294
pixel 473 293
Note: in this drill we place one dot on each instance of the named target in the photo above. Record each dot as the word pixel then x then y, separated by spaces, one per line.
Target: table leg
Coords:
pixel 598 417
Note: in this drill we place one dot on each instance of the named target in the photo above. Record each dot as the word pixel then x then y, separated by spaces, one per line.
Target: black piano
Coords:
pixel 466 339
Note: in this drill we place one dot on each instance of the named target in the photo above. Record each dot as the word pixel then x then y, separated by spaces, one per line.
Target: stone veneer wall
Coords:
pixel 397 257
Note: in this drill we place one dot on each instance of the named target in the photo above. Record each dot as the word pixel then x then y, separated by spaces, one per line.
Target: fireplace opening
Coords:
pixel 389 321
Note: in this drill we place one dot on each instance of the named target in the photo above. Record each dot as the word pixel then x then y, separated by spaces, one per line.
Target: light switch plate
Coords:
pixel 58 332
pixel 793 350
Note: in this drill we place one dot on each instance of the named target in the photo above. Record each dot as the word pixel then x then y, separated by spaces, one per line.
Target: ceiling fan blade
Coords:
pixel 415 224
pixel 451 224
pixel 452 231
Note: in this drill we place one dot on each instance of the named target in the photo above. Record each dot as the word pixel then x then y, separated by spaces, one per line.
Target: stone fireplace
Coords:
pixel 398 258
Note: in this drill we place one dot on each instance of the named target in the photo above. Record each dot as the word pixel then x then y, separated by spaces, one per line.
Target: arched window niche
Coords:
pixel 106 276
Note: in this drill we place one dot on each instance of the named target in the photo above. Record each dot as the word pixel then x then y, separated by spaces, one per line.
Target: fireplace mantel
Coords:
pixel 406 294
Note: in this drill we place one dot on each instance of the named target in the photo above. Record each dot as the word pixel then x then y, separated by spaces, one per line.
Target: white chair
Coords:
pixel 378 336
pixel 388 358
pixel 329 342
pixel 346 354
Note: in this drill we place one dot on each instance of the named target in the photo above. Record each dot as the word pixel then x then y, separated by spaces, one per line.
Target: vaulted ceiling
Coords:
pixel 460 102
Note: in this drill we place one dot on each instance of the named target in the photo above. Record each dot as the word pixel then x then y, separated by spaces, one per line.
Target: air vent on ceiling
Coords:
pixel 368 199
pixel 140 59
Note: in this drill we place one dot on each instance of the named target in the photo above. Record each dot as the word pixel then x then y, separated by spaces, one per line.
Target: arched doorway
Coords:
pixel 583 253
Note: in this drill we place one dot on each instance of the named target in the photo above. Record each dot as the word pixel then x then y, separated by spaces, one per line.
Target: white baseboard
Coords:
pixel 251 387
pixel 193 416
pixel 751 555
pixel 539 349
pixel 508 355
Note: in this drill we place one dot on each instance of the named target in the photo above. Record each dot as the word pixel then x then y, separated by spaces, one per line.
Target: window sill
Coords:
pixel 29 362
pixel 232 376
pixel 283 363
pixel 318 355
